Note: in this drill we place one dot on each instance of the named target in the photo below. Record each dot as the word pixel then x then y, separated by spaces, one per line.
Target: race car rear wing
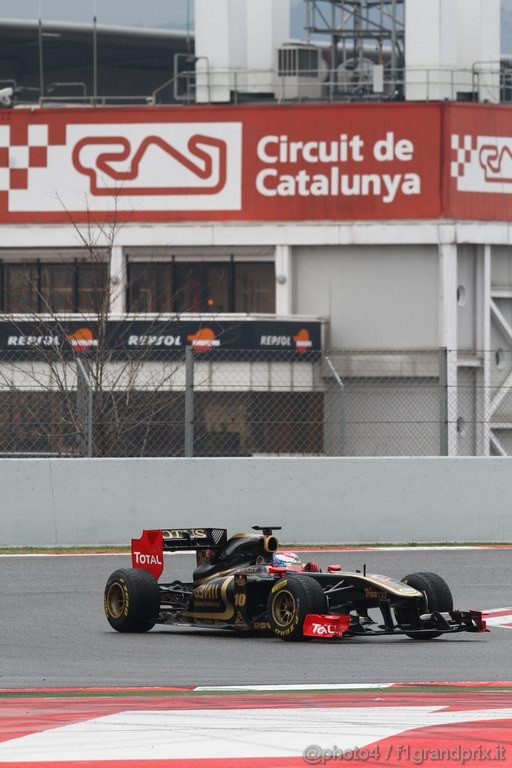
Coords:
pixel 176 539
pixel 147 552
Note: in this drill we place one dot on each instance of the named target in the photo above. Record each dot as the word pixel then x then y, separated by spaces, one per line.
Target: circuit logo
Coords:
pixel 482 163
pixel 147 167
pixel 115 165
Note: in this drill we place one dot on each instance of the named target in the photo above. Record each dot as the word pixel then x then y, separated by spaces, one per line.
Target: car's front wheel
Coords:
pixel 132 600
pixel 290 601
pixel 436 597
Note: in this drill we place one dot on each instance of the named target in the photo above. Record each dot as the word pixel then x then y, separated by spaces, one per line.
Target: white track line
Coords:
pixel 230 733
pixel 298 687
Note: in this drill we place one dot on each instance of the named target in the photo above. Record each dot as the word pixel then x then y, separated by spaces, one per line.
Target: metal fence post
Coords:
pixel 338 446
pixel 443 401
pixel 189 402
pixel 84 405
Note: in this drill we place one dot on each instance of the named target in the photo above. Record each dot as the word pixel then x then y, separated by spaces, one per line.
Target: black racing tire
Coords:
pixel 289 602
pixel 436 597
pixel 132 600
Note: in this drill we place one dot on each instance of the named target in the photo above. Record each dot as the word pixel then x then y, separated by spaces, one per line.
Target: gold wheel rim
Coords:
pixel 284 608
pixel 115 600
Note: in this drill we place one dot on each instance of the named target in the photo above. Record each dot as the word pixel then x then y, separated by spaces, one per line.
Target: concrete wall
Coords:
pixel 107 501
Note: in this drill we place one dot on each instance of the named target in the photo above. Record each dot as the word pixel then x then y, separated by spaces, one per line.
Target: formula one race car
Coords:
pixel 245 583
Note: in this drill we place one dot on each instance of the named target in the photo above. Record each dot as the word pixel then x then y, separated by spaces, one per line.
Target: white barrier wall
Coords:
pixel 50 502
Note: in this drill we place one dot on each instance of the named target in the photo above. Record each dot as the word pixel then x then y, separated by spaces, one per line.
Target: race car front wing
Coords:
pixel 332 625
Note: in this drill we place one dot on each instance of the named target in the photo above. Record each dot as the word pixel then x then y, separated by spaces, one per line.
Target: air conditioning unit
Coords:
pixel 301 71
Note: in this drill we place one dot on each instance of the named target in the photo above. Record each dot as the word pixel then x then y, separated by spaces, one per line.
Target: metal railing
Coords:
pixel 484 81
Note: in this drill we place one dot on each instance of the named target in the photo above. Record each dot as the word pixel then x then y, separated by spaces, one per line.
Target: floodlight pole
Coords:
pixel 94 53
pixel 40 46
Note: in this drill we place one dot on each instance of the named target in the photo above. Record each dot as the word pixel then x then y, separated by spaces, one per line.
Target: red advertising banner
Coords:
pixel 477 177
pixel 250 163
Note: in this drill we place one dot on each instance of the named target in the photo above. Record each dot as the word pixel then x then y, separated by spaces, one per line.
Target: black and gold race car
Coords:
pixel 245 583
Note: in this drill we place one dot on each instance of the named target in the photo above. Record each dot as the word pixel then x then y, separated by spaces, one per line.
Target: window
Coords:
pixel 92 287
pixel 201 286
pixel 254 287
pixel 20 288
pixel 40 286
pixel 150 287
pixel 189 294
pixel 57 287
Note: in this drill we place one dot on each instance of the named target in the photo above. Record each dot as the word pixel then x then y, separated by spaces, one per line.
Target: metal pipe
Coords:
pixel 393 41
pixel 40 45
pixel 189 402
pixel 94 53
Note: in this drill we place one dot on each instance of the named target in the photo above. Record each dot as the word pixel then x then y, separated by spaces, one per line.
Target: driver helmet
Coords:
pixel 289 560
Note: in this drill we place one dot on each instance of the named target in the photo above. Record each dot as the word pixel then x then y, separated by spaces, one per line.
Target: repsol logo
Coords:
pixel 275 341
pixel 136 340
pixel 32 341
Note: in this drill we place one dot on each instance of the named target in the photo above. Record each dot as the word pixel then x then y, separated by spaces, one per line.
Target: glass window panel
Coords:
pixel 150 287
pixel 189 287
pixel 57 287
pixel 92 287
pixel 217 287
pixel 20 287
pixel 255 287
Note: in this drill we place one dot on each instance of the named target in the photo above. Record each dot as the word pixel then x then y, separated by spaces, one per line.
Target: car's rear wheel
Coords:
pixel 290 601
pixel 436 597
pixel 132 600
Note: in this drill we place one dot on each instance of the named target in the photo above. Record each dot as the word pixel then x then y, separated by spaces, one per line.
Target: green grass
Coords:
pixel 141 693
pixel 326 547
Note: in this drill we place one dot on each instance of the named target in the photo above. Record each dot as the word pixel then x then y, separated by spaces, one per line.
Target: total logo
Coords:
pixel 142 559
pixel 203 340
pixel 321 629
pixel 82 340
pixel 316 625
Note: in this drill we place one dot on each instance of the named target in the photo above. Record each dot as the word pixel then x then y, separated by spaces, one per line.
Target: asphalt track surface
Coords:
pixel 53 632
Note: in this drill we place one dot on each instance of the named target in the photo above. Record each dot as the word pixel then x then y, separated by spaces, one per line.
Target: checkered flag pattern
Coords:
pixel 16 160
pixel 463 148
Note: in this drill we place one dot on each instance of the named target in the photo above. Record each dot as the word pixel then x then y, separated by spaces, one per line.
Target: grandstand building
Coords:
pixel 238 192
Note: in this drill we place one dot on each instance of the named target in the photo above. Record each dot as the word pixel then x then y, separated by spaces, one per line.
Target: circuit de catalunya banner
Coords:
pixel 256 163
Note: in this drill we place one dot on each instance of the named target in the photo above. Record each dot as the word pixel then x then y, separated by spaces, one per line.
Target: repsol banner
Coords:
pixel 160 339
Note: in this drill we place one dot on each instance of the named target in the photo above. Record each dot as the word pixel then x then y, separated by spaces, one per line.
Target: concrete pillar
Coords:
pixel 444 40
pixel 283 266
pixel 430 49
pixel 268 27
pixel 479 45
pixel 236 44
pixel 448 335
pixel 220 46
pixel 118 281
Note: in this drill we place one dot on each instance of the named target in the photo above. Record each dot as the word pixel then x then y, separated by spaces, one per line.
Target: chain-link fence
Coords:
pixel 227 403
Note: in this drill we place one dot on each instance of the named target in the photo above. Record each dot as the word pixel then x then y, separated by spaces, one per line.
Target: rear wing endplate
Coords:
pixel 147 552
